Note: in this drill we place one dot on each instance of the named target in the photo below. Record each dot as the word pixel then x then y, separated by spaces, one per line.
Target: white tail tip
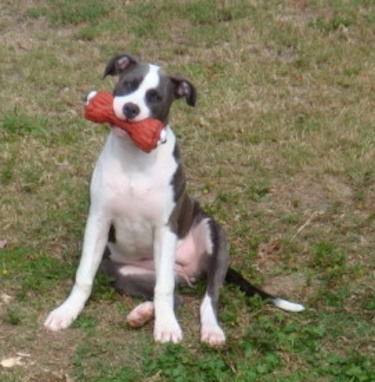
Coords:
pixel 287 305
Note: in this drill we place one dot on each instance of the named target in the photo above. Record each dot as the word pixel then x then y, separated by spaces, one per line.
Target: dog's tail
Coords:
pixel 234 277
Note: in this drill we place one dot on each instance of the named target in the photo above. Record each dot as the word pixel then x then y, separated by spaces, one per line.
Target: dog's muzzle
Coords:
pixel 131 110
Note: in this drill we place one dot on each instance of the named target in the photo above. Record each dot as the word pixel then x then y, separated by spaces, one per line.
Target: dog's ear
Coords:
pixel 116 65
pixel 184 88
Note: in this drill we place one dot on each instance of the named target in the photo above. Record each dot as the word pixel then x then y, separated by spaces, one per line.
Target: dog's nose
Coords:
pixel 131 110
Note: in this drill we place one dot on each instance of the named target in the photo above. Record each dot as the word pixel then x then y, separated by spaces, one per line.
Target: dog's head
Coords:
pixel 145 90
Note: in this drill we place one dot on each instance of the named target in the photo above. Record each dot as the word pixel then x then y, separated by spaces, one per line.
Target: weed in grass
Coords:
pixel 175 363
pixel 201 12
pixel 369 303
pixel 207 35
pixel 12 317
pixel 19 124
pixel 103 288
pixel 332 266
pixel 332 24
pixel 96 30
pixel 232 197
pixel 327 257
pixel 85 351
pixel 305 125
pixel 85 322
pixel 353 367
pixel 126 373
pixel 7 170
pixel 73 12
pixel 37 12
pixel 257 191
pixel 34 272
pixel 291 219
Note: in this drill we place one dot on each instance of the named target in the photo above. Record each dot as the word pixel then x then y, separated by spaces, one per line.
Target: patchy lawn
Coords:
pixel 280 150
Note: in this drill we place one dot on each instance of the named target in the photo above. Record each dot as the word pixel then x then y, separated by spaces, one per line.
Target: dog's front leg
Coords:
pixel 96 235
pixel 166 326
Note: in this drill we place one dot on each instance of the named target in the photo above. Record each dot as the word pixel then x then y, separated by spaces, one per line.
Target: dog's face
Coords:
pixel 144 90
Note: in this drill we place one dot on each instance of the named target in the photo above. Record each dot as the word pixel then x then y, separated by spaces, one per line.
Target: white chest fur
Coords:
pixel 135 193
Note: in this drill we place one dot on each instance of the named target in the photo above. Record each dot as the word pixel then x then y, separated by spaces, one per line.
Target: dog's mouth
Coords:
pixel 121 133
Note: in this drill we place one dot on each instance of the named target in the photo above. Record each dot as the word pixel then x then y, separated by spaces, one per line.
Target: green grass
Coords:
pixel 280 150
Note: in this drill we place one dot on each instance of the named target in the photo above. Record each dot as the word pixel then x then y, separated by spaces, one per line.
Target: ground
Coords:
pixel 280 150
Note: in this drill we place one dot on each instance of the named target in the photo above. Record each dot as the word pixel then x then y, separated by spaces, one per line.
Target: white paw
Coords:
pixel 213 335
pixel 140 315
pixel 167 331
pixel 61 318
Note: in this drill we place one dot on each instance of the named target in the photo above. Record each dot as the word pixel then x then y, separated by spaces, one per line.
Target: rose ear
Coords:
pixel 184 88
pixel 116 65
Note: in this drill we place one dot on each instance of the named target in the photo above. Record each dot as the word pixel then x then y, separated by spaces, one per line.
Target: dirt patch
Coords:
pixel 268 255
pixel 290 286
pixel 36 354
pixel 311 194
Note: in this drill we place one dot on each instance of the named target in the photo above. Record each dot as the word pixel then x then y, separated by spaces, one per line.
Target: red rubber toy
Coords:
pixel 145 134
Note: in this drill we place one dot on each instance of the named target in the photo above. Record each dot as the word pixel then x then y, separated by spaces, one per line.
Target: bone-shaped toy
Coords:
pixel 145 134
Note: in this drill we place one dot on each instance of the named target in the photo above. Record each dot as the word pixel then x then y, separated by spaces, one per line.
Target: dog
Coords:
pixel 143 229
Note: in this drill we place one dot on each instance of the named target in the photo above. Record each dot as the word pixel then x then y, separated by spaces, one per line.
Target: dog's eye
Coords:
pixel 129 86
pixel 153 96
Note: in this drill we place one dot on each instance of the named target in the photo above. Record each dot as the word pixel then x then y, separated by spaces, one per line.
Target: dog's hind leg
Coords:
pixel 217 265
pixel 137 282
pixel 134 282
pixel 128 279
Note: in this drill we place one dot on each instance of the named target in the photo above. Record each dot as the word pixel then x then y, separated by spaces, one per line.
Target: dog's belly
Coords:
pixel 133 240
pixel 136 207
pixel 134 249
pixel 192 251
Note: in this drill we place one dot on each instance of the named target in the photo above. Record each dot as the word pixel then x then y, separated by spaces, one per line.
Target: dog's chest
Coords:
pixel 135 193
pixel 139 196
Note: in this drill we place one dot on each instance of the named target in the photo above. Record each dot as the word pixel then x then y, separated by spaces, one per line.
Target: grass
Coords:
pixel 280 150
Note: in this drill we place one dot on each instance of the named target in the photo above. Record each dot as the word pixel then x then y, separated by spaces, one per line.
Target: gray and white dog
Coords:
pixel 143 228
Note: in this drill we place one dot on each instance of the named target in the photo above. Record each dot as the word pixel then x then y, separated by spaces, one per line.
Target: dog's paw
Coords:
pixel 140 315
pixel 167 331
pixel 60 318
pixel 213 336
